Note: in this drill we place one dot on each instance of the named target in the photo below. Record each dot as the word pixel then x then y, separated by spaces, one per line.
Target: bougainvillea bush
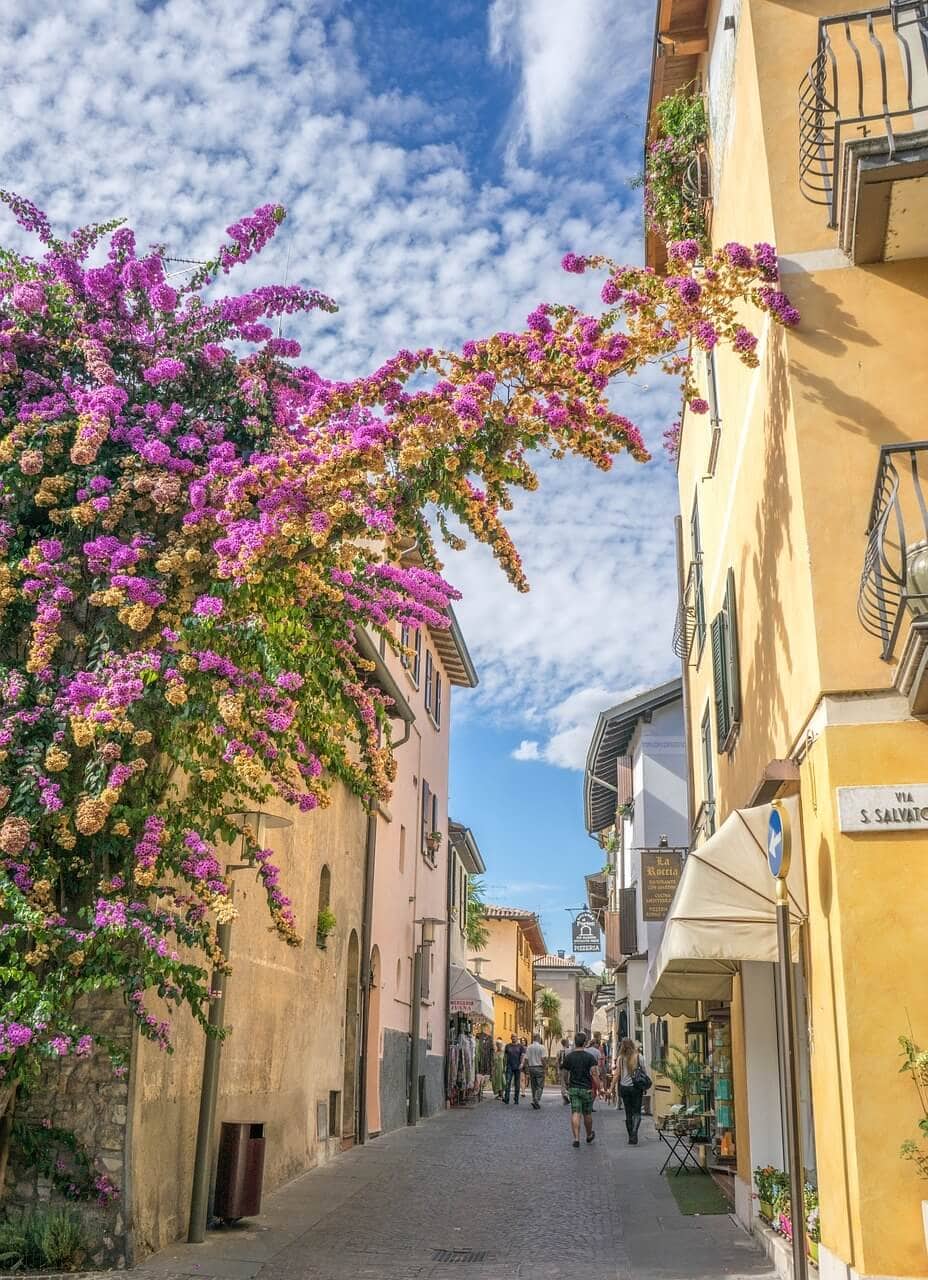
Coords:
pixel 194 527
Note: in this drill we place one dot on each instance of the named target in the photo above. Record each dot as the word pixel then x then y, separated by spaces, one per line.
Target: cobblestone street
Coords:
pixel 502 1183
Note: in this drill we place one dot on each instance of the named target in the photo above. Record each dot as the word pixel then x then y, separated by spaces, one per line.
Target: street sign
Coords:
pixel 778 843
pixel 660 875
pixel 585 932
pixel 898 808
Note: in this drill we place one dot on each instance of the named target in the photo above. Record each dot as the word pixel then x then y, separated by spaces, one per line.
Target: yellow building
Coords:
pixel 515 938
pixel 804 582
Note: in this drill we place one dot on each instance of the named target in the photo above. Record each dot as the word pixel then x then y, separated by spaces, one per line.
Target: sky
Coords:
pixel 437 161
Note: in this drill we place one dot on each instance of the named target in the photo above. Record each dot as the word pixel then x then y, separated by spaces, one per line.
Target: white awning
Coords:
pixel 466 995
pixel 723 912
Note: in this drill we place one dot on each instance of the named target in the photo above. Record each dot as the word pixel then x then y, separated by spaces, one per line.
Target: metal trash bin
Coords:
pixel 240 1171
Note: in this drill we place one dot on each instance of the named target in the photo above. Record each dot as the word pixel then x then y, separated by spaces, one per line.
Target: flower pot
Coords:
pixel 766 1210
pixel 813 1251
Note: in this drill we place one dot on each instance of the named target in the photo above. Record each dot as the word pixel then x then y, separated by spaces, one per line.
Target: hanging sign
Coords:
pixel 900 808
pixel 585 932
pixel 660 875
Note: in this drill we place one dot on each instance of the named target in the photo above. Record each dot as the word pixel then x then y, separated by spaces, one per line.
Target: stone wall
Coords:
pixel 433 1068
pixel 84 1097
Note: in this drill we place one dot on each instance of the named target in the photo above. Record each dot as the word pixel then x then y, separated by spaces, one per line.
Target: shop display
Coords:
pixel 723 1094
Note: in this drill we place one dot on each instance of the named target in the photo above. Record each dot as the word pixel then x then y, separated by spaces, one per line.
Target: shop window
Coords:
pixel 428 681
pixel 699 601
pixel 725 669
pixel 708 774
pixel 416 655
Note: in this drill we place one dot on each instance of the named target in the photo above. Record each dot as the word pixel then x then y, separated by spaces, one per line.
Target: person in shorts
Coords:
pixel 582 1071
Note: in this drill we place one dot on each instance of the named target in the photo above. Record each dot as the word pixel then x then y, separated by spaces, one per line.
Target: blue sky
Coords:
pixel 437 161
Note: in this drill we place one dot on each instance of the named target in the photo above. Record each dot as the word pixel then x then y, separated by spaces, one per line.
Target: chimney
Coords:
pixel 560 955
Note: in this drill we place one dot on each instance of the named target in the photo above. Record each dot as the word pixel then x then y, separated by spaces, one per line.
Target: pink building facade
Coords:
pixel 411 892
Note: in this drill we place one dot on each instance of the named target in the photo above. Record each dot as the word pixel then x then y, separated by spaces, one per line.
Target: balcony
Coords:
pixel 894 582
pixel 687 621
pixel 863 130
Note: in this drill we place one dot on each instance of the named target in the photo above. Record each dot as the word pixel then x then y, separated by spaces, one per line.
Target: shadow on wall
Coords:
pixel 771 657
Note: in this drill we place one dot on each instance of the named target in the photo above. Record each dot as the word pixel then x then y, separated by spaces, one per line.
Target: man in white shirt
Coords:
pixel 535 1063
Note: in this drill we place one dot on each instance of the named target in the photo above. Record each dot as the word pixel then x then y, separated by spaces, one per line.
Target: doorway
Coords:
pixel 350 1085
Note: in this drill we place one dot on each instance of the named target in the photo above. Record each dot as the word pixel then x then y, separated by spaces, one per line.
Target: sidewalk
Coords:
pixel 503 1184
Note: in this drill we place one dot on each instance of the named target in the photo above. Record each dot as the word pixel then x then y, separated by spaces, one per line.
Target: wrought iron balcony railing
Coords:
pixel 869 78
pixel 686 623
pixel 895 574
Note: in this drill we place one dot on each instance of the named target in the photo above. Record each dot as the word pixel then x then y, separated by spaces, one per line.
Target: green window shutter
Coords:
pixel 734 670
pixel 720 679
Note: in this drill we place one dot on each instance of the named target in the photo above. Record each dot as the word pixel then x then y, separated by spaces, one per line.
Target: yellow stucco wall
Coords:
pixel 287 1012
pixel 504 1017
pixel 868 904
pixel 787 510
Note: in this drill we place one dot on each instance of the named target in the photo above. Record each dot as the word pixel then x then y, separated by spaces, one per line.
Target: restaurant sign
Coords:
pixel 585 932
pixel 899 808
pixel 660 875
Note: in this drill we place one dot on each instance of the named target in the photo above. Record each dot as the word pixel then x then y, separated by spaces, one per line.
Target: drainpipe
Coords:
pixel 366 974
pixel 199 1194
pixel 412 1116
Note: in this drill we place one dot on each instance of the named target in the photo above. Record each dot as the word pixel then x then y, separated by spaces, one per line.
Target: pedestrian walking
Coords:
pixel 561 1073
pixel 535 1065
pixel 524 1044
pixel 499 1069
pixel 513 1068
pixel 596 1049
pixel 634 1082
pixel 580 1067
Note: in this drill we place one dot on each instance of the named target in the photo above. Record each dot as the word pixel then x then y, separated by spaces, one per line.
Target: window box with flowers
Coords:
pixel 676 206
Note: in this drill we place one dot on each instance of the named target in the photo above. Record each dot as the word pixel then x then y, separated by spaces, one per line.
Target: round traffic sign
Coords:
pixel 778 842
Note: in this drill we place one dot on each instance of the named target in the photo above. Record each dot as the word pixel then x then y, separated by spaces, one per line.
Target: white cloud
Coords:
pixel 185 114
pixel 576 62
pixel 526 750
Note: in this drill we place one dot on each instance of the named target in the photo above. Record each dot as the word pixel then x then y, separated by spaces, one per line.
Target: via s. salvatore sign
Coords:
pixel 897 808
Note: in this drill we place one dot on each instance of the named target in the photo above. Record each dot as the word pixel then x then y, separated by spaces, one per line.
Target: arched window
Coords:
pixel 324 921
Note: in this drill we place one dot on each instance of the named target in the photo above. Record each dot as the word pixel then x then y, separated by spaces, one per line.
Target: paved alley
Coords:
pixel 503 1184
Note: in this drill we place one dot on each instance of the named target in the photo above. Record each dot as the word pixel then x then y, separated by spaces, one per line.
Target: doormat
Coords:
pixel 696 1193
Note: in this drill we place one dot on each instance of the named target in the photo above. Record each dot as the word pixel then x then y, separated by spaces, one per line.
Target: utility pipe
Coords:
pixel 413 1111
pixel 370 852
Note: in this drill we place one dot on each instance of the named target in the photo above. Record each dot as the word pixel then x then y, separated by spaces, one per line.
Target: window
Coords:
pixel 699 603
pixel 715 422
pixel 416 655
pixel 404 641
pixel 402 849
pixel 325 892
pixel 436 714
pixel 725 673
pixel 708 771
pixel 462 913
pixel 427 828
pixel 428 680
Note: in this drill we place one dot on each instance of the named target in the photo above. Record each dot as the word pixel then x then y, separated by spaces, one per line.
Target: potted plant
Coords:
pixel 433 842
pixel 813 1223
pixel 767 1180
pixel 915 1062
pixel 782 1216
pixel 325 924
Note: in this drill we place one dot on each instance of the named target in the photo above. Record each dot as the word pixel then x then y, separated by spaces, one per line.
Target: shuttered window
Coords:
pixel 404 641
pixel 725 669
pixel 436 713
pixel 417 654
pixel 628 921
pixel 426 817
pixel 428 680
pixel 708 767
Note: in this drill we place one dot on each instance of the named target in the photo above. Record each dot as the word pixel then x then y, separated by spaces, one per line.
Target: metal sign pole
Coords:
pixel 778 859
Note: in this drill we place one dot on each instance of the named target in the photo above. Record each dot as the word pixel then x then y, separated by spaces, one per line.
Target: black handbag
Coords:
pixel 640 1077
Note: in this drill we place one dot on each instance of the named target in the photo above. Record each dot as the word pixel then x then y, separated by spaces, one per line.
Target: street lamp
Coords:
pixel 429 925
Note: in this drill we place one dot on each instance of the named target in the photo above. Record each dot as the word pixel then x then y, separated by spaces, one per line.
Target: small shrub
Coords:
pixel 62 1238
pixel 12 1244
pixel 325 924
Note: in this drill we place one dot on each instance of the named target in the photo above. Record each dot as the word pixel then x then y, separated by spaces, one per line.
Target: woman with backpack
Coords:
pixel 634 1082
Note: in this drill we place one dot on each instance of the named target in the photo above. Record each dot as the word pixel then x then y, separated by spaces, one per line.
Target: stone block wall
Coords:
pixel 85 1097
pixel 394 1071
